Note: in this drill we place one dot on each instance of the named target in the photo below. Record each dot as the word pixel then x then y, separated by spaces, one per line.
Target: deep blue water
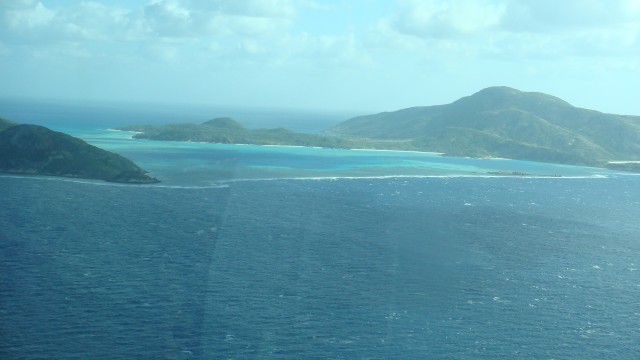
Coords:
pixel 369 268
pixel 271 252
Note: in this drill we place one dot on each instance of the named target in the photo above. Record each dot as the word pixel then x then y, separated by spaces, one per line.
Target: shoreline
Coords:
pixel 402 151
pixel 418 152
pixel 225 183
pixel 297 146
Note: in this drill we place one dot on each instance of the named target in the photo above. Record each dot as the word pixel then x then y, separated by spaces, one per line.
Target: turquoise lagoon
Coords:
pixel 206 164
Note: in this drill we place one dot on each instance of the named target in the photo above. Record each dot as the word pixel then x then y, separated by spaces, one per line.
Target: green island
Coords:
pixel 225 130
pixel 34 149
pixel 497 122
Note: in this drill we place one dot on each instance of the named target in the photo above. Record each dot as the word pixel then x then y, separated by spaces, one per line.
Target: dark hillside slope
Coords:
pixel 34 149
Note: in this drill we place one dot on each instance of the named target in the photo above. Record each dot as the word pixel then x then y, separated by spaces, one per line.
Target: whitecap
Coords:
pixel 384 177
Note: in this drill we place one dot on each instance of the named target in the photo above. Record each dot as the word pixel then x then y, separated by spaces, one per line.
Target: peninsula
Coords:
pixel 34 149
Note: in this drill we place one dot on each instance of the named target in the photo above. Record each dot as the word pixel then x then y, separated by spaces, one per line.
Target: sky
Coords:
pixel 332 55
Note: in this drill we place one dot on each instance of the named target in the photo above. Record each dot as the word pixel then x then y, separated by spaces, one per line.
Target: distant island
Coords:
pixel 34 149
pixel 494 122
pixel 225 130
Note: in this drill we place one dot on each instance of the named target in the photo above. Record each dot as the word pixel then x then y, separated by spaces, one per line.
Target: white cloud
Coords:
pixel 224 25
pixel 265 28
pixel 169 18
pixel 34 23
pixel 210 34
pixel 303 41
pixel 435 18
pixel 586 28
pixel 92 21
pixel 26 14
pixel 176 18
pixel 166 30
pixel 99 21
pixel 254 8
pixel 514 29
pixel 548 16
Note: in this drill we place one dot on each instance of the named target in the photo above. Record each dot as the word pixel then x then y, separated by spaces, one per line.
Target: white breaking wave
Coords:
pixel 451 176
pixel 223 183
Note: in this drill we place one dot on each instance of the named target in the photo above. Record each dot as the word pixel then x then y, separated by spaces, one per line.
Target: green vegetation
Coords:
pixel 226 123
pixel 228 131
pixel 504 122
pixel 624 166
pixel 495 122
pixel 34 149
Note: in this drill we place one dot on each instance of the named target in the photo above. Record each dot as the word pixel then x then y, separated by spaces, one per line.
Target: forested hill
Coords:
pixel 34 149
pixel 505 122
pixel 228 131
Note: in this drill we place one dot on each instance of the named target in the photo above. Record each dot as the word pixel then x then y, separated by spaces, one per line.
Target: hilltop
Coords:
pixel 505 122
pixel 34 149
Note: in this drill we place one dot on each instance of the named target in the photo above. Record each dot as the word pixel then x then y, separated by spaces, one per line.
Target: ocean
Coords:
pixel 288 253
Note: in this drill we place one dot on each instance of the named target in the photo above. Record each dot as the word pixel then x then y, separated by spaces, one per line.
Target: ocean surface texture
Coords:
pixel 262 252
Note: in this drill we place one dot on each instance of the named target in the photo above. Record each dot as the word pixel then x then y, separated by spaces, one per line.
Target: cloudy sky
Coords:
pixel 362 55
